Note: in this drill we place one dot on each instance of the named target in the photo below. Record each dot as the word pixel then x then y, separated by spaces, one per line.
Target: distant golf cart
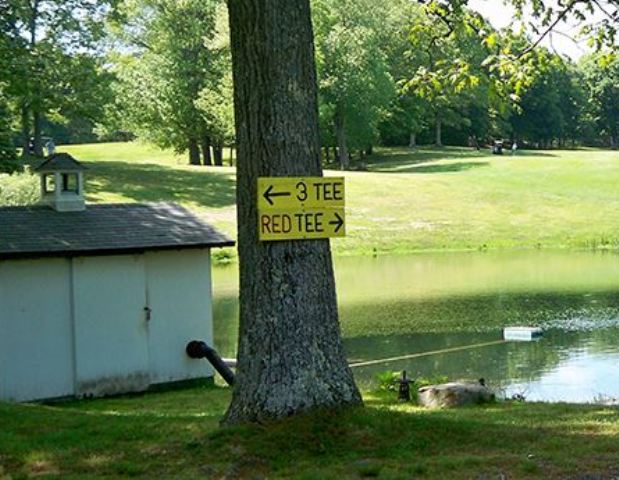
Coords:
pixel 497 147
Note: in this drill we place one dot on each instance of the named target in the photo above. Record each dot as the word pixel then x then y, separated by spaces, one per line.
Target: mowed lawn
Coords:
pixel 428 199
pixel 177 435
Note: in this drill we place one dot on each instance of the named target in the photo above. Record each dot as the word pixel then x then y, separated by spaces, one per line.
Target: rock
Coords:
pixel 454 394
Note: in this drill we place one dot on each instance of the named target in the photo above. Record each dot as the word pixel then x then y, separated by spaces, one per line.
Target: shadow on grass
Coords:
pixel 432 168
pixel 147 182
pixel 406 443
pixel 399 160
pixel 177 435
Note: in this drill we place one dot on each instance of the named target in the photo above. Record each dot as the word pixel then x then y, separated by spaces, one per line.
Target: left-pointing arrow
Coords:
pixel 270 193
pixel 339 222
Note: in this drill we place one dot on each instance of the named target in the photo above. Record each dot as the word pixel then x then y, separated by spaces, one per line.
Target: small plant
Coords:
pixel 223 257
pixel 387 381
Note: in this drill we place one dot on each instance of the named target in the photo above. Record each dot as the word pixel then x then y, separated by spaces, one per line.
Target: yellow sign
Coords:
pixel 292 208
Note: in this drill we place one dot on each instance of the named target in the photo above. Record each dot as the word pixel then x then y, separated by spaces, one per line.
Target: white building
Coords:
pixel 101 299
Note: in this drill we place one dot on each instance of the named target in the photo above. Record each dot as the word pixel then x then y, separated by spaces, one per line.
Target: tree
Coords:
pixel 8 153
pixel 602 83
pixel 447 71
pixel 50 44
pixel 173 79
pixel 355 84
pixel 290 355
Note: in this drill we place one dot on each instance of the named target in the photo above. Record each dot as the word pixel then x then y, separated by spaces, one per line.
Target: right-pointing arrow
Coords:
pixel 339 222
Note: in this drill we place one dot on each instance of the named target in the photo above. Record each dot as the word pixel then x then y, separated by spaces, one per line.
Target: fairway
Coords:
pixel 429 199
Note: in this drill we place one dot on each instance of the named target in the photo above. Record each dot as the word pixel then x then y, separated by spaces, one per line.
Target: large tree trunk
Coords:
pixel 25 129
pixel 290 354
pixel 340 134
pixel 218 155
pixel 206 151
pixel 439 134
pixel 194 152
pixel 37 121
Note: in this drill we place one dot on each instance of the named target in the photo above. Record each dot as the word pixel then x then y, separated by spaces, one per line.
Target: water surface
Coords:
pixel 392 306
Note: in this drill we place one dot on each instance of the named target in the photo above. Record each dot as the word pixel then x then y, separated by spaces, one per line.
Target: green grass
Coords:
pixel 176 435
pixel 426 200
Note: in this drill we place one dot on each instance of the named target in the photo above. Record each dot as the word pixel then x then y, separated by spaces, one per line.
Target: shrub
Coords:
pixel 19 189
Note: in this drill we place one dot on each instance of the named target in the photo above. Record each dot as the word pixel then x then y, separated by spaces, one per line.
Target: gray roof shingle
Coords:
pixel 37 231
pixel 60 162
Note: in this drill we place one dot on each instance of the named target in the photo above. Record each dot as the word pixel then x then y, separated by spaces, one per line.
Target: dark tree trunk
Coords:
pixel 290 355
pixel 232 155
pixel 412 140
pixel 340 134
pixel 369 150
pixel 194 152
pixel 38 142
pixel 218 155
pixel 439 134
pixel 25 129
pixel 327 155
pixel 206 151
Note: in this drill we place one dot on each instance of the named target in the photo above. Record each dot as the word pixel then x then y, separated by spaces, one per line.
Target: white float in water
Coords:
pixel 522 334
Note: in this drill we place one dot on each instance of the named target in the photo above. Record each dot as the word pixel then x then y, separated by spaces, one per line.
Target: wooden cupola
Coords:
pixel 62 183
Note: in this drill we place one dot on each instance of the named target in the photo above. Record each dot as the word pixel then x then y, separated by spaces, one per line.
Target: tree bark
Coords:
pixel 412 140
pixel 340 134
pixel 327 155
pixel 290 354
pixel 439 135
pixel 25 128
pixel 194 152
pixel 206 151
pixel 218 155
pixel 38 142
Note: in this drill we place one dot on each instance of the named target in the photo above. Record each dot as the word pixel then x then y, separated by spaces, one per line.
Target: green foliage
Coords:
pixel 19 189
pixel 8 153
pixel 174 87
pixel 601 73
pixel 49 55
pixel 355 85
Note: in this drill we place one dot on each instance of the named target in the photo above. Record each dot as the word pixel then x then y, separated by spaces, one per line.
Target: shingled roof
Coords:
pixel 38 231
pixel 60 162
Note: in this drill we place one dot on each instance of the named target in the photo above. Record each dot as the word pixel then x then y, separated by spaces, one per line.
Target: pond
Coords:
pixel 401 305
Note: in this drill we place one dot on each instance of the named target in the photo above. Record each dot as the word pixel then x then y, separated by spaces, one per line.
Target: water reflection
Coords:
pixel 401 305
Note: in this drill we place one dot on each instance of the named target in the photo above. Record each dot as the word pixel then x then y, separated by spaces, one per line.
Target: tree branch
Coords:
pixel 550 28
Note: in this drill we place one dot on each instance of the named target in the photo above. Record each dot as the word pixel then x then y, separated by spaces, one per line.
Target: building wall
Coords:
pixel 111 332
pixel 79 326
pixel 36 339
pixel 179 296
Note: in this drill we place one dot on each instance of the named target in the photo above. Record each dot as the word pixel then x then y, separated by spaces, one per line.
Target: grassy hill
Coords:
pixel 405 201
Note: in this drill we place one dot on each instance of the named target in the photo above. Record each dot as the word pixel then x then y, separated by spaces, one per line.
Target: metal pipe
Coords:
pixel 199 349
